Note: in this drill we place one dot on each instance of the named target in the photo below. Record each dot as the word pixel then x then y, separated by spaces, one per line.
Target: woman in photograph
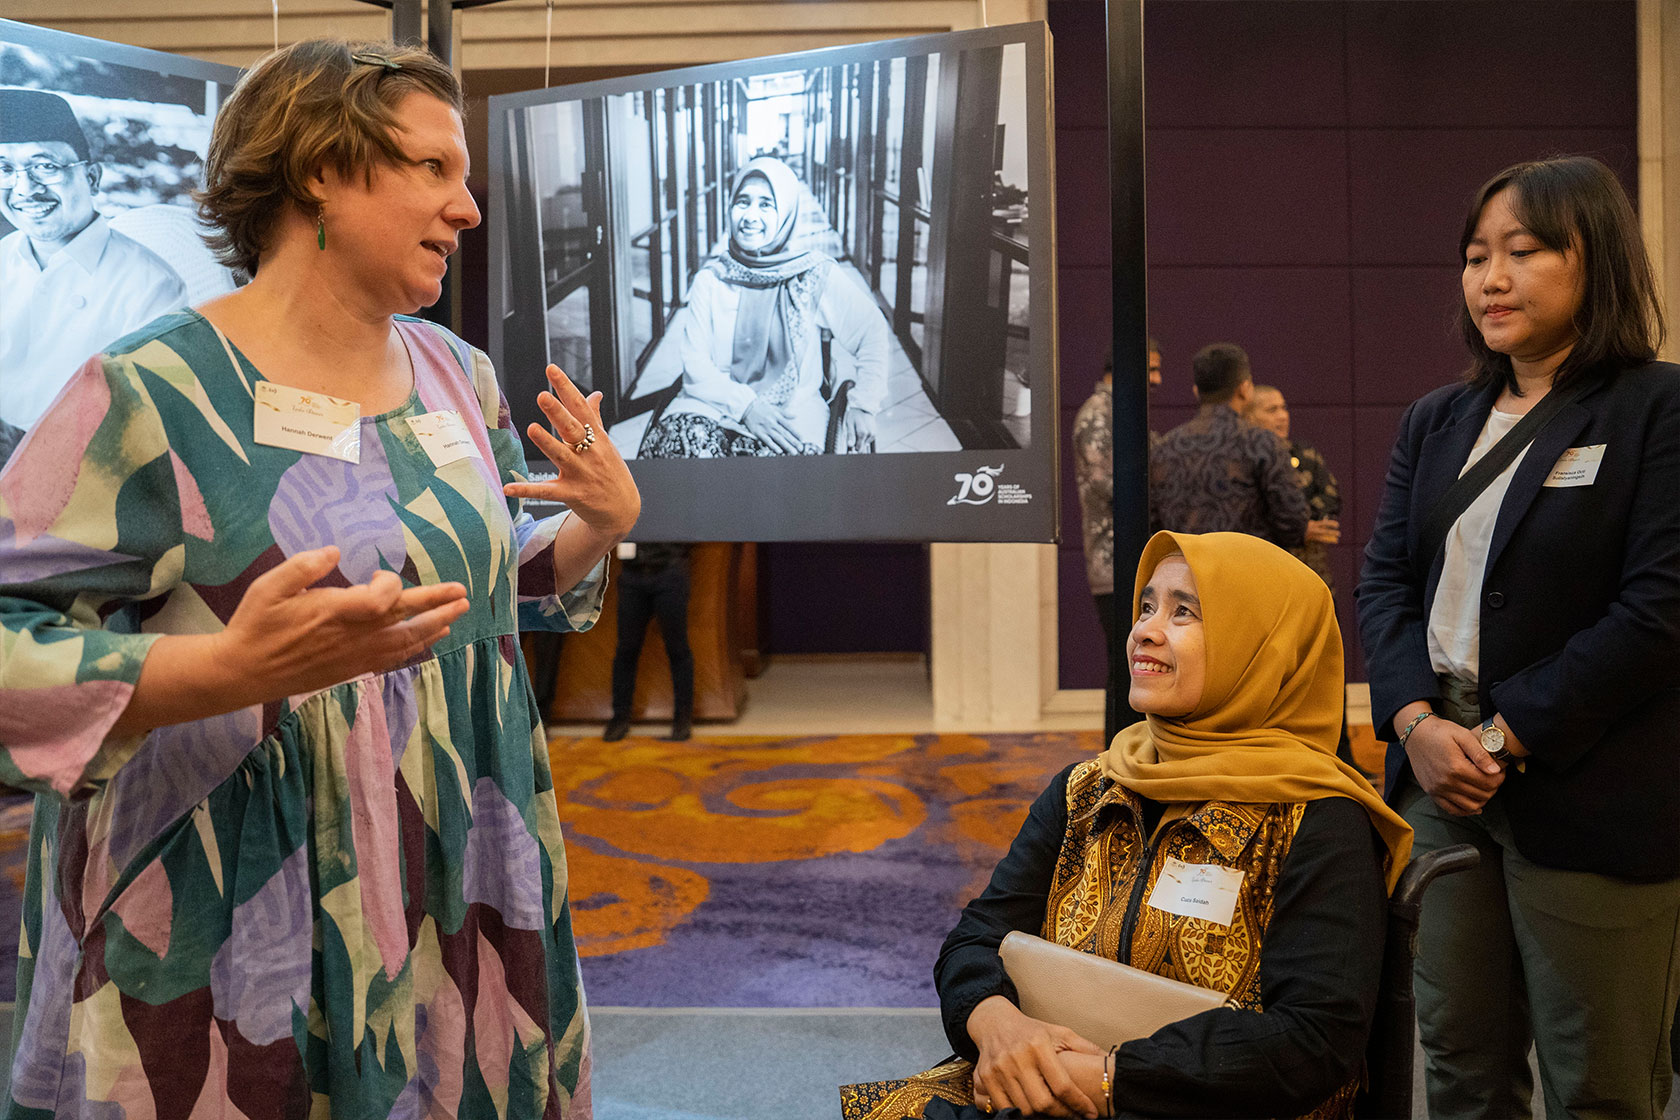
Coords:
pixel 263 568
pixel 1525 661
pixel 755 380
pixel 1236 661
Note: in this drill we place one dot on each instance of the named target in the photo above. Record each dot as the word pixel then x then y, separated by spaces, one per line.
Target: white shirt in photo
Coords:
pixel 96 289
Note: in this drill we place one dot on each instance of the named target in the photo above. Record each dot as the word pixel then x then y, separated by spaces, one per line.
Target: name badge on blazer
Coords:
pixel 1197 890
pixel 1577 467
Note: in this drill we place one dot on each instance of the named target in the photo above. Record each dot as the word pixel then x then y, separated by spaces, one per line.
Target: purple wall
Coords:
pixel 1308 169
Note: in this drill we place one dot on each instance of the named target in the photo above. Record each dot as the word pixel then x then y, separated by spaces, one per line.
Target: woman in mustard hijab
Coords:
pixel 1236 661
pixel 753 378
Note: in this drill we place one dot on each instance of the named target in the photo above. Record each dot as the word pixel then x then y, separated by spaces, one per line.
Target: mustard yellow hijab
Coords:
pixel 1266 727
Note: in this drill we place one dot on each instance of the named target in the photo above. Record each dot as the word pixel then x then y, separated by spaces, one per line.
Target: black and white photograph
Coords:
pixel 815 255
pixel 101 147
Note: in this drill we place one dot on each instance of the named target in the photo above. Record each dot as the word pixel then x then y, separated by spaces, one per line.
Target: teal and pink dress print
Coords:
pixel 346 904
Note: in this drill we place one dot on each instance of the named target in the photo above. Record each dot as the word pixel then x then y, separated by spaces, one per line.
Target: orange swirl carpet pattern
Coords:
pixel 773 872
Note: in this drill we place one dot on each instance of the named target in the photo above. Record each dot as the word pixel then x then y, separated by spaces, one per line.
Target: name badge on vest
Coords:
pixel 1577 467
pixel 313 423
pixel 1197 890
pixel 444 436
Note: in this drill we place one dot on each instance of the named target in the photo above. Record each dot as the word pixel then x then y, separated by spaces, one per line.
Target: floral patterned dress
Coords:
pixel 350 903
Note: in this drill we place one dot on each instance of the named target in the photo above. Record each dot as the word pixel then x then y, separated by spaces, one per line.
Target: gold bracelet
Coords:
pixel 1108 1078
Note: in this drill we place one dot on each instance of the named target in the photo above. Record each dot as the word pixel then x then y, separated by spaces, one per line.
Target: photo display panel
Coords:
pixel 101 147
pixel 816 291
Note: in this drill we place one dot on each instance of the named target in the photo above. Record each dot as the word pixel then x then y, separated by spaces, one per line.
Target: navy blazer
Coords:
pixel 1580 617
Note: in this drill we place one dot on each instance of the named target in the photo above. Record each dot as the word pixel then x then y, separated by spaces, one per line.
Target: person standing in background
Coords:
pixel 1093 472
pixel 653 583
pixel 72 284
pixel 1215 473
pixel 1269 410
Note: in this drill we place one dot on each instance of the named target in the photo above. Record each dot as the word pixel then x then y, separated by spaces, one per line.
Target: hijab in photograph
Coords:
pixel 779 287
pixel 1266 727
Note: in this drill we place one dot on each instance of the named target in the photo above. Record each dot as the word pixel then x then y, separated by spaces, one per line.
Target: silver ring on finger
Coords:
pixel 587 441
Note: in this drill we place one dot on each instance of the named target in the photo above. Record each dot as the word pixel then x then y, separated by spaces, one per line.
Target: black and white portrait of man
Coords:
pixel 71 282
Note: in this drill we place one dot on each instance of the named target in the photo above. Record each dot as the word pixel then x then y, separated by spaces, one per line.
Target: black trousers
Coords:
pixel 661 593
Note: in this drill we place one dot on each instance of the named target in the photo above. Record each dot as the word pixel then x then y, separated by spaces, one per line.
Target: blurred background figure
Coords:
pixel 1269 410
pixel 652 584
pixel 1214 473
pixel 1093 472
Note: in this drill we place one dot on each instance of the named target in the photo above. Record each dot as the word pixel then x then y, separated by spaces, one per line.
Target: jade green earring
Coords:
pixel 321 229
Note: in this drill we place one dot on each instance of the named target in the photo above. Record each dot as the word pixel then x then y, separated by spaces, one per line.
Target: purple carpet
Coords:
pixel 820 872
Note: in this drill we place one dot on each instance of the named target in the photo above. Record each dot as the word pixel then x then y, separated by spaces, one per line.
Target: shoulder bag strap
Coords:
pixel 1472 482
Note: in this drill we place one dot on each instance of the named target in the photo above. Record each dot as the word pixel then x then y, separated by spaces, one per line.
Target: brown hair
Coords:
pixel 1576 202
pixel 317 103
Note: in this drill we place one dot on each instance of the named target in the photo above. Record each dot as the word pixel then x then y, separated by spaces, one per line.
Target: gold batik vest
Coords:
pixel 1097 877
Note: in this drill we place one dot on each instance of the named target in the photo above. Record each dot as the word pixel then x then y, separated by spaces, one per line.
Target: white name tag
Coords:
pixel 310 422
pixel 444 436
pixel 1577 467
pixel 1197 890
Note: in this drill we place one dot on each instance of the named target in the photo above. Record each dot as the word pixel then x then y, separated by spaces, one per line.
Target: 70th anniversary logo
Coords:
pixel 981 486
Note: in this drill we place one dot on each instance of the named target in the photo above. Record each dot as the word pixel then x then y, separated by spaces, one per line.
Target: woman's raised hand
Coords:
pixel 770 426
pixel 1452 767
pixel 1019 1065
pixel 590 476
pixel 289 637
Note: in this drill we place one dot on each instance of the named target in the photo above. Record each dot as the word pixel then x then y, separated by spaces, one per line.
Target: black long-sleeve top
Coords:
pixel 1321 959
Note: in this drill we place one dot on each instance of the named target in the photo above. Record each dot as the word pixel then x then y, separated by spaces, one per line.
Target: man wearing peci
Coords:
pixel 72 283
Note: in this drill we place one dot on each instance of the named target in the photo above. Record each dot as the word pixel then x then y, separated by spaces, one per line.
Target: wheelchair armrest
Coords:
pixel 1425 869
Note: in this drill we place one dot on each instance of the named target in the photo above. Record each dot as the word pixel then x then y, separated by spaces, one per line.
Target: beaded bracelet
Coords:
pixel 1412 726
pixel 1108 1079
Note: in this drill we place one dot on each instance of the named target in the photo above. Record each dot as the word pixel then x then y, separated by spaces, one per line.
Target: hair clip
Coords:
pixel 372 59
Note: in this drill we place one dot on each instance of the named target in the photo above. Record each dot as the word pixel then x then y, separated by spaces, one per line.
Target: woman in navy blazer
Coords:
pixel 1527 673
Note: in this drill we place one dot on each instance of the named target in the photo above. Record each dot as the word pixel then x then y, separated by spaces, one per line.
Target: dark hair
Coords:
pixel 315 103
pixel 1576 202
pixel 1219 371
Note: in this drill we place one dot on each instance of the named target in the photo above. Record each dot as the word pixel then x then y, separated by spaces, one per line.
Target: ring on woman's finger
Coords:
pixel 587 441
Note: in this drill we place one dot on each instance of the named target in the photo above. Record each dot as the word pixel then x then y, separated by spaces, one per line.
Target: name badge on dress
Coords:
pixel 313 423
pixel 444 436
pixel 1197 890
pixel 1577 467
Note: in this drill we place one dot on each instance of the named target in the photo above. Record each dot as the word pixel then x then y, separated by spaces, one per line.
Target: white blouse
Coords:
pixel 1455 633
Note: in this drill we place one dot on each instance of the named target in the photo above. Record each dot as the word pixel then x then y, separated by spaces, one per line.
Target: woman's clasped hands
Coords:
pixel 1451 766
pixel 1036 1067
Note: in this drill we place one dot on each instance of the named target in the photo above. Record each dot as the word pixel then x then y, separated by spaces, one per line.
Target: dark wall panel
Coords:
pixel 1235 63
pixel 1411 187
pixel 1405 333
pixel 1292 321
pixel 1309 165
pixel 1490 63
pixel 1247 196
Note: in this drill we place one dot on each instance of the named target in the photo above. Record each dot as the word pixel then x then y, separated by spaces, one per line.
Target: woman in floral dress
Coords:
pixel 262 570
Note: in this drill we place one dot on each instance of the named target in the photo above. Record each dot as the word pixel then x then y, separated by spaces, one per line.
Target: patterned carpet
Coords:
pixel 760 872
